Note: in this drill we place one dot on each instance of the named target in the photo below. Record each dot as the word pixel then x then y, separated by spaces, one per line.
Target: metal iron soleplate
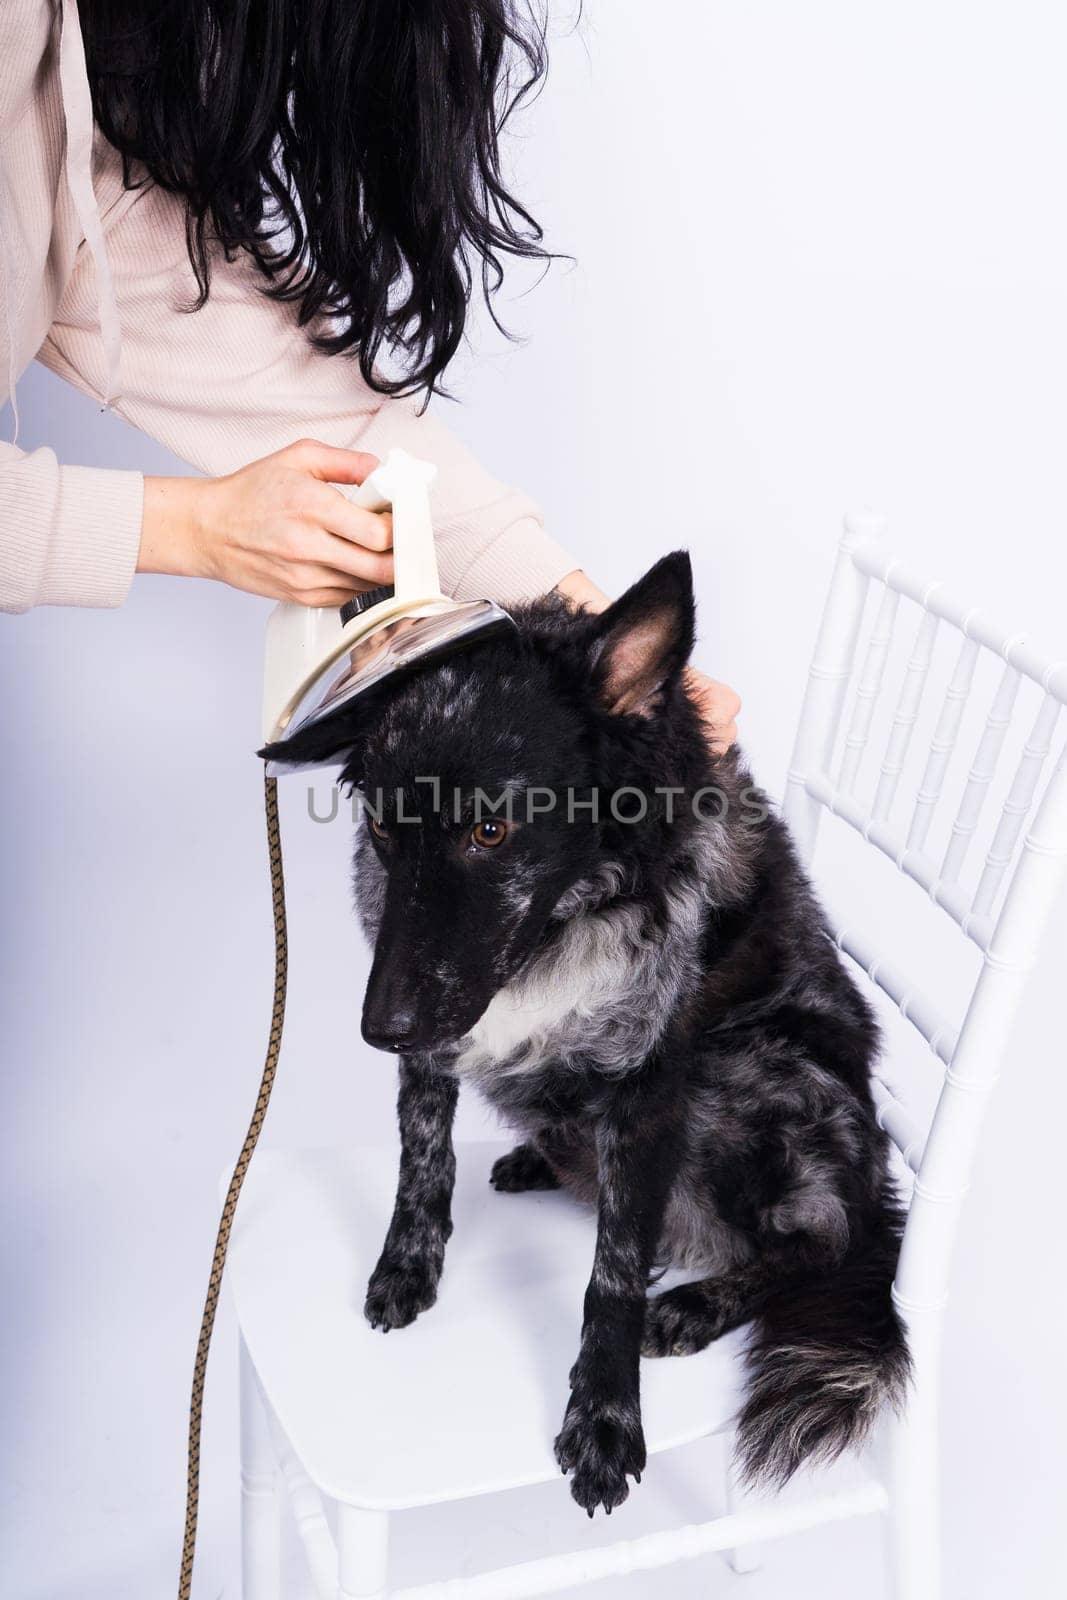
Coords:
pixel 396 648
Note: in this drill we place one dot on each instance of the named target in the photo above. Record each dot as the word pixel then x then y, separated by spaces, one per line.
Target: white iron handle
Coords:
pixel 402 483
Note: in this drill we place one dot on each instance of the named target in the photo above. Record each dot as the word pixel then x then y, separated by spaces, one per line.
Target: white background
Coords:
pixel 821 254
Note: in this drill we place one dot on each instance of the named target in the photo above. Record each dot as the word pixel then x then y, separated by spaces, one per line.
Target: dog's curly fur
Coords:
pixel 652 1004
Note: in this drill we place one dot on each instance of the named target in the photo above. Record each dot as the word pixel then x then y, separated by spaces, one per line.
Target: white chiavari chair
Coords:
pixel 1003 915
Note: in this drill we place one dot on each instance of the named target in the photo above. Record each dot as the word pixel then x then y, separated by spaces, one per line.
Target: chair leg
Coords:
pixel 260 1504
pixel 747 1557
pixel 913 1462
pixel 362 1553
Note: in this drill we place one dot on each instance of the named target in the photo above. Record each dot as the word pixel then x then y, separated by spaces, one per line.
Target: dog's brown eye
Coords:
pixel 378 828
pixel 488 833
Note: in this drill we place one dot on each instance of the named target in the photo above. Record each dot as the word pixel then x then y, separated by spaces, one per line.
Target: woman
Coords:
pixel 253 231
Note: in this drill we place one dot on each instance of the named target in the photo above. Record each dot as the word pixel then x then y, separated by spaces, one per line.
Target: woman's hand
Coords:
pixel 717 703
pixel 277 527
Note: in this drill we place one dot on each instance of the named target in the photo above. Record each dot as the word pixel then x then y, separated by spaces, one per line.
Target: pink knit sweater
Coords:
pixel 93 281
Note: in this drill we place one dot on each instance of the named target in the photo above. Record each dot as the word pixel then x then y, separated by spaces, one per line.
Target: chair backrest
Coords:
pixel 1004 913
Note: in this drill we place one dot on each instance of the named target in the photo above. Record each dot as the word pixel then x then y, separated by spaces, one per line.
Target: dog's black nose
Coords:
pixel 394 1031
pixel 391 1007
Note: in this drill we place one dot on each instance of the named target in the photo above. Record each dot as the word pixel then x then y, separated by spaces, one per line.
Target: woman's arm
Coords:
pixel 237 382
pixel 68 535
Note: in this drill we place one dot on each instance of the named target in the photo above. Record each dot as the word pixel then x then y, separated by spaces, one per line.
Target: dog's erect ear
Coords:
pixel 643 641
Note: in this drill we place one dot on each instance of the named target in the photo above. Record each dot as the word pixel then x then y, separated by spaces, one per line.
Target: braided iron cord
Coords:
pixel 270 1067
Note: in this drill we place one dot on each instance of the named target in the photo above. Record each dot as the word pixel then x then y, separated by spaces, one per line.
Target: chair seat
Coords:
pixel 468 1399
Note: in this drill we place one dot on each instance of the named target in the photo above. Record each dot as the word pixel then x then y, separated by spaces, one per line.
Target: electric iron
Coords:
pixel 319 660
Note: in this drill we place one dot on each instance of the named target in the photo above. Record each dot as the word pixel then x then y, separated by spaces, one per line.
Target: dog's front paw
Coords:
pixel 398 1291
pixel 600 1443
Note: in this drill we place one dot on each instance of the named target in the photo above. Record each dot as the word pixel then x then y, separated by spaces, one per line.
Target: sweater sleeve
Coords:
pixel 69 536
pixel 237 379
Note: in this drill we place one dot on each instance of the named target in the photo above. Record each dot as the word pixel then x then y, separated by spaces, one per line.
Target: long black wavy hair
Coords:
pixel 350 147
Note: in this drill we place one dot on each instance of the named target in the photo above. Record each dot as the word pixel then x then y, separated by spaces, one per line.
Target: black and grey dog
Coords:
pixel 577 908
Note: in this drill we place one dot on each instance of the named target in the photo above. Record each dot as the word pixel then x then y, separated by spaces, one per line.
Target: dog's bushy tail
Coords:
pixel 826 1355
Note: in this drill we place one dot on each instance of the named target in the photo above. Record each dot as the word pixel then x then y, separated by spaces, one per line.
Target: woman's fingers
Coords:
pixel 353 545
pixel 328 462
pixel 326 599
pixel 725 737
pixel 333 511
pixel 349 563
pixel 311 583
pixel 718 705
